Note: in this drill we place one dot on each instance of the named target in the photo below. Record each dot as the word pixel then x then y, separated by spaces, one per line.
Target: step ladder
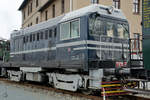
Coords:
pixel 116 88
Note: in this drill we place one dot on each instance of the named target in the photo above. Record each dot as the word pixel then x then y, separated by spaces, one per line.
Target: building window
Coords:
pixel 37 20
pixel 31 8
pixel 136 6
pixel 53 12
pixel 28 10
pixel 62 6
pixel 37 3
pixel 46 15
pixel 24 15
pixel 94 1
pixel 116 4
pixel 31 24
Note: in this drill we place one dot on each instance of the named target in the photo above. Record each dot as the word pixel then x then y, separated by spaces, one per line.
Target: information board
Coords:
pixel 146 16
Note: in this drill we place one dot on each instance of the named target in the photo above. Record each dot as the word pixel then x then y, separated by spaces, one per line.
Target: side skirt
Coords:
pixel 65 82
pixel 15 75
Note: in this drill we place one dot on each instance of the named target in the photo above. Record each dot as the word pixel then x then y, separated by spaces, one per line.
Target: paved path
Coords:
pixel 15 92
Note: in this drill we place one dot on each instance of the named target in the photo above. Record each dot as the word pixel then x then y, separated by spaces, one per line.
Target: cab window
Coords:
pixel 110 29
pixel 75 29
pixel 123 31
pixel 70 30
pixel 65 31
pixel 96 26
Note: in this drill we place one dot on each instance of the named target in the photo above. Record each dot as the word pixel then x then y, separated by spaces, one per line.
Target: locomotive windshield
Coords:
pixel 113 33
pixel 103 26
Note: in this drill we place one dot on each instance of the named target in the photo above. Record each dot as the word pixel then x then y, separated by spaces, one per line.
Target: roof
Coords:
pixel 24 3
pixel 101 9
pixel 37 27
pixel 43 25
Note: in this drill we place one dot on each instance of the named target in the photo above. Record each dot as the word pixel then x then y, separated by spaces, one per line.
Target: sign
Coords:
pixel 146 16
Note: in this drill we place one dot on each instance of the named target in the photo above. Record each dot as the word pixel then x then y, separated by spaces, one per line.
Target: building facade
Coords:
pixel 36 11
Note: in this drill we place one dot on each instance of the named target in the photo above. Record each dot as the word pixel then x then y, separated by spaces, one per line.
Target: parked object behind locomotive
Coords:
pixel 4 50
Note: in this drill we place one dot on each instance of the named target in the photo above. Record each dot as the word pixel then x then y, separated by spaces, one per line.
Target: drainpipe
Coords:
pixel 71 5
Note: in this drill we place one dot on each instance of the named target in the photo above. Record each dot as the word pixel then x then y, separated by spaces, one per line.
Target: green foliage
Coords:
pixel 4 50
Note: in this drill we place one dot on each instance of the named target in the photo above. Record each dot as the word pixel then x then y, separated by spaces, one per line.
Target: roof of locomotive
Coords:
pixel 101 9
pixel 43 25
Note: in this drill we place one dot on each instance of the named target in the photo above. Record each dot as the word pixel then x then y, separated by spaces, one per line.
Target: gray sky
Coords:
pixel 10 17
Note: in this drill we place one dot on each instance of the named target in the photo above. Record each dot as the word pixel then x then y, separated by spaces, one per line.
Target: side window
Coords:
pixel 75 29
pixel 65 31
pixel 27 39
pixel 110 29
pixel 24 39
pixel 70 30
pixel 41 35
pixel 50 33
pixel 46 34
pixel 33 37
pixel 38 36
pixel 55 32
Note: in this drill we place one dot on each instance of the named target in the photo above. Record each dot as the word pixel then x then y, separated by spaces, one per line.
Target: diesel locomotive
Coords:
pixel 77 50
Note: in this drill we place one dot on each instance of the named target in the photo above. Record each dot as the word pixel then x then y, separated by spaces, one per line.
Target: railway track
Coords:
pixel 78 94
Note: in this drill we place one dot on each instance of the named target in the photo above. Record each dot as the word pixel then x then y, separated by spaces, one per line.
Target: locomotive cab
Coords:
pixel 93 38
pixel 108 42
